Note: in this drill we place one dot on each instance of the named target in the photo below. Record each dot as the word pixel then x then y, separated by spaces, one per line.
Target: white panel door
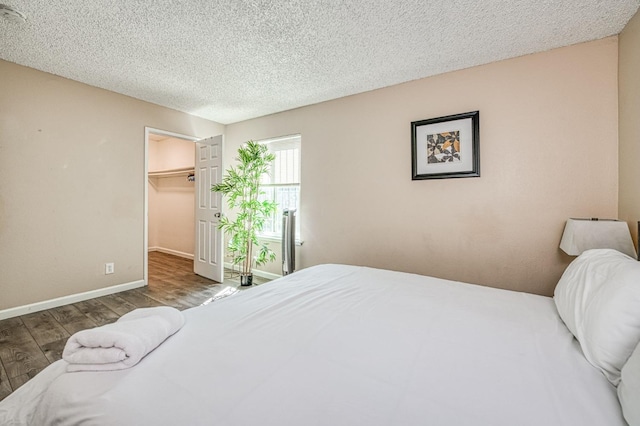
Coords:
pixel 208 259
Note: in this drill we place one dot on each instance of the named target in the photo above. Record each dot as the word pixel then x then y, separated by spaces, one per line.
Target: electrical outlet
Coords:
pixel 109 268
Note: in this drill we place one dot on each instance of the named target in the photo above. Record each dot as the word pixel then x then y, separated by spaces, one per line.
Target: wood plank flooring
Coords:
pixel 31 342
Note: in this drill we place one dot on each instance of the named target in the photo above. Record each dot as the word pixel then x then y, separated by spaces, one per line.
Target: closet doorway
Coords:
pixel 181 213
pixel 170 195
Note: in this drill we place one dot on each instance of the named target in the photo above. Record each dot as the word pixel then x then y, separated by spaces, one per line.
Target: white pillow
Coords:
pixel 629 389
pixel 598 298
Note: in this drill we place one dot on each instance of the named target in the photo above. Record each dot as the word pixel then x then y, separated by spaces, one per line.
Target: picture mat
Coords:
pixel 464 126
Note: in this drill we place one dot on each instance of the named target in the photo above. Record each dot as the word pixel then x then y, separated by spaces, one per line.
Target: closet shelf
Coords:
pixel 185 171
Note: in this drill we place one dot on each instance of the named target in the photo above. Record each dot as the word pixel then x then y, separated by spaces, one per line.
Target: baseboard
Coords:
pixel 256 272
pixel 65 300
pixel 173 252
pixel 227 265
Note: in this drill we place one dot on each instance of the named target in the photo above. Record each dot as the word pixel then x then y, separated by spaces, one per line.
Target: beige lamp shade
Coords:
pixel 584 234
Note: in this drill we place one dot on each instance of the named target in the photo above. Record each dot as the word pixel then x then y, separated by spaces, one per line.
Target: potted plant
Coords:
pixel 241 186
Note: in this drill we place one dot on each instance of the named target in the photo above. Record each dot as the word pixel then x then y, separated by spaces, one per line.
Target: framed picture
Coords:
pixel 446 147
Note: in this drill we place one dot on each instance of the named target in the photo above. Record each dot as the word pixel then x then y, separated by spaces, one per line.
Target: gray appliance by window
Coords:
pixel 288 241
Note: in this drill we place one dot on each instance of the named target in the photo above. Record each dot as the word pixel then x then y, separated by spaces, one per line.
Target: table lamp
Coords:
pixel 584 234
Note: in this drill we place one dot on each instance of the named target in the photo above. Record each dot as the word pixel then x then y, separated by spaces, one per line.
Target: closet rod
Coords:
pixel 173 172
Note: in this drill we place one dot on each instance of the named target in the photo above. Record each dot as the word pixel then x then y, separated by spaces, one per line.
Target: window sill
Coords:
pixel 277 240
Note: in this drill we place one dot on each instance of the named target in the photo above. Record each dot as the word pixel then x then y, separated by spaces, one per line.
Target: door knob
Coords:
pixel 218 215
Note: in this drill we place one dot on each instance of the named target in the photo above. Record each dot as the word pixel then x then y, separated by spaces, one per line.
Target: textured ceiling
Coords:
pixel 231 60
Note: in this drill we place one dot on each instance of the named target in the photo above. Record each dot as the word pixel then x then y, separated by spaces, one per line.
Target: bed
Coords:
pixel 343 345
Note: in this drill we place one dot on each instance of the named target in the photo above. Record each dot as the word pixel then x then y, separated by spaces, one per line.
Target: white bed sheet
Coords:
pixel 343 345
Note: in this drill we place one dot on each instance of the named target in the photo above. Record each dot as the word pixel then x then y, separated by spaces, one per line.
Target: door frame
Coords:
pixel 145 242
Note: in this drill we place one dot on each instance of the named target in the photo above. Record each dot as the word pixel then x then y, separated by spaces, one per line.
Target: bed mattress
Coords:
pixel 343 345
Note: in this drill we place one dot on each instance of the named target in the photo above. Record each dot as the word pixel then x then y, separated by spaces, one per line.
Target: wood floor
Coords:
pixel 31 342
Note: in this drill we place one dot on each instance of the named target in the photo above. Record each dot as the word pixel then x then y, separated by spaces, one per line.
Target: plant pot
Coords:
pixel 246 280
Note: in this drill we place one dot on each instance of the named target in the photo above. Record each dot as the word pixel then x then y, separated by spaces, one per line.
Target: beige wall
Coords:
pixel 629 121
pixel 170 154
pixel 171 198
pixel 153 215
pixel 173 214
pixel 71 184
pixel 548 125
pixel 71 173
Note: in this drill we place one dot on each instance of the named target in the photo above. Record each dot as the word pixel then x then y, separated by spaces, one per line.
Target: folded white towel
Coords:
pixel 123 343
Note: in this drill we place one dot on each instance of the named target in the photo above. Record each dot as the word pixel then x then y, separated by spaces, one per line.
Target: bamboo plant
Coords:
pixel 241 186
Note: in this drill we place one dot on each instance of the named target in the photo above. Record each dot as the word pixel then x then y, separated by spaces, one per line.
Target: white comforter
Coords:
pixel 341 345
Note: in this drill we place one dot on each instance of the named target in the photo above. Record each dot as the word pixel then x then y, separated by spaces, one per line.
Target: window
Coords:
pixel 282 185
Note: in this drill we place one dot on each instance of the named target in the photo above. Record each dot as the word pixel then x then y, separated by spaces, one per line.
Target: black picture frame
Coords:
pixel 446 147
